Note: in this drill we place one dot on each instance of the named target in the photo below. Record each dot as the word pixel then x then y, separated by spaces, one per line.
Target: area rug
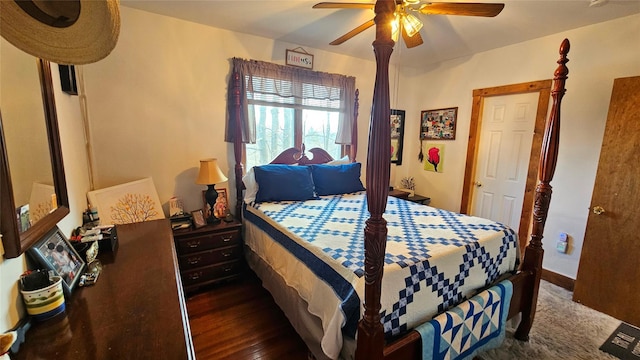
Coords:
pixel 624 343
pixel 562 329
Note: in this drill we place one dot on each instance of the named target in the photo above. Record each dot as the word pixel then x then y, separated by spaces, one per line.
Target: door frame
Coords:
pixel 543 87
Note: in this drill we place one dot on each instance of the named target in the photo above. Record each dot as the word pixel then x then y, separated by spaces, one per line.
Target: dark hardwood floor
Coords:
pixel 239 320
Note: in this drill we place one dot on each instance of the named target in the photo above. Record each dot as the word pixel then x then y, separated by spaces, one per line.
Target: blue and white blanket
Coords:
pixel 475 325
pixel 435 259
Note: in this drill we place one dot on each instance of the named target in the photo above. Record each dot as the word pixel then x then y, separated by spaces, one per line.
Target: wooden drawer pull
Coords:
pixel 194 260
pixel 193 243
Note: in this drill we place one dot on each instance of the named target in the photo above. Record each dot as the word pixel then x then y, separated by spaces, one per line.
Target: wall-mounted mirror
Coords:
pixel 33 193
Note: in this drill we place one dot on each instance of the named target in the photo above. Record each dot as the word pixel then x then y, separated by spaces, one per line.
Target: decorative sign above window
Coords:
pixel 299 58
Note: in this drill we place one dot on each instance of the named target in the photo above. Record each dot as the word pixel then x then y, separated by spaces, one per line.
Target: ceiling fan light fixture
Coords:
pixel 395 29
pixel 411 24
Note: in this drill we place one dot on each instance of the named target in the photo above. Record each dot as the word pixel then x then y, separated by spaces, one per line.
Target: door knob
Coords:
pixel 598 210
pixel 477 184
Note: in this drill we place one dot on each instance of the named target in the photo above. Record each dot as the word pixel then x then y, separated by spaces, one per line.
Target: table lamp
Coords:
pixel 210 174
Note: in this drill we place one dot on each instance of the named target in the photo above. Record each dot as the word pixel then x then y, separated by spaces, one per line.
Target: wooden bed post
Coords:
pixel 370 331
pixel 548 157
pixel 237 142
pixel 353 149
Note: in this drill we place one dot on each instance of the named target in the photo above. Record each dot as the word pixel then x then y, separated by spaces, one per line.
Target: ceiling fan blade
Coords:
pixel 467 9
pixel 353 33
pixel 338 5
pixel 411 41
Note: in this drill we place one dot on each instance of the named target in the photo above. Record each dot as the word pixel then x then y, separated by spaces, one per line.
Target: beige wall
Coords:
pixel 157 104
pixel 599 53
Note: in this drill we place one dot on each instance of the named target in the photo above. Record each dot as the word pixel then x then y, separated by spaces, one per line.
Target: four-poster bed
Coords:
pixel 371 343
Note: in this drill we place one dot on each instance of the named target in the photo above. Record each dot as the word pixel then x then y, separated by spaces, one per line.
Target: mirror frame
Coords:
pixel 14 242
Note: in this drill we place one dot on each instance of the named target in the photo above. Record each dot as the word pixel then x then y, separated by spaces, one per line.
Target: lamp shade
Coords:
pixel 210 173
pixel 411 24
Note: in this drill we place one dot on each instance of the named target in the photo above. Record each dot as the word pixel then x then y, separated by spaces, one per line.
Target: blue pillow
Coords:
pixel 283 182
pixel 340 179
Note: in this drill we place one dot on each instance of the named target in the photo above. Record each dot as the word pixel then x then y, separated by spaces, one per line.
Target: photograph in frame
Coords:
pixel 198 218
pixel 397 135
pixel 54 252
pixel 438 124
pixel 221 207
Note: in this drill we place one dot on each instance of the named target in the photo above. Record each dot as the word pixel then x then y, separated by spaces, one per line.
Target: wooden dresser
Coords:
pixel 136 310
pixel 210 254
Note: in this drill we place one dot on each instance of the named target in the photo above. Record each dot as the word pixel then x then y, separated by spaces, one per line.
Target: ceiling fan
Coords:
pixel 406 23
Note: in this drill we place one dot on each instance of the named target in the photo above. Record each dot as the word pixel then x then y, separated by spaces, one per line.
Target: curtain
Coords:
pixel 272 84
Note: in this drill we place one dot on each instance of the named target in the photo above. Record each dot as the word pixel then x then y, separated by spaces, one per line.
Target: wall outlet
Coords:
pixel 562 244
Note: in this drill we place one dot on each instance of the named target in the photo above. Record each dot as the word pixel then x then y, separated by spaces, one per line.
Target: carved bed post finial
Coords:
pixel 237 142
pixel 353 149
pixel 370 331
pixel 546 168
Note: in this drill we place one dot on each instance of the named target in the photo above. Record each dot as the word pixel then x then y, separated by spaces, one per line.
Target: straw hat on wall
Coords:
pixel 65 32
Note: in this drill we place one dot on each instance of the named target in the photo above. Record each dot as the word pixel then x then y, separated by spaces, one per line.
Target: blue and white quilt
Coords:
pixel 434 260
pixel 476 325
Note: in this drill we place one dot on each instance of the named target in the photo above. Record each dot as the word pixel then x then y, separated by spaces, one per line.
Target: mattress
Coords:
pixel 434 259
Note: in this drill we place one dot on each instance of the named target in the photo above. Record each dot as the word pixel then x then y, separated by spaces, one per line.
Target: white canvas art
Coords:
pixel 132 202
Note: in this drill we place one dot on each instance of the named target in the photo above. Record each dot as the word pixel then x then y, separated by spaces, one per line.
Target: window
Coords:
pixel 279 128
pixel 286 107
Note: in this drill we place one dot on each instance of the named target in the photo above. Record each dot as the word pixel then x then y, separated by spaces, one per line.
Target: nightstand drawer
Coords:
pixel 209 257
pixel 201 275
pixel 193 244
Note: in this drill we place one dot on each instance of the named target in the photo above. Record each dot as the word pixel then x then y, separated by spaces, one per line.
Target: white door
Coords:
pixel 506 134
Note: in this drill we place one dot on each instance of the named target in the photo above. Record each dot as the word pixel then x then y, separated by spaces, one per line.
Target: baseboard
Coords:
pixel 557 279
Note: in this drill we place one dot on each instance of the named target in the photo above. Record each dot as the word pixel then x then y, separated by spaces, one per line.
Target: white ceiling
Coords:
pixel 445 37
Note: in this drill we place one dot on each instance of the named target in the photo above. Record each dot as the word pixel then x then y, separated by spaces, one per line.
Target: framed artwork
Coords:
pixel 221 206
pixel 132 202
pixel 198 218
pixel 54 252
pixel 397 135
pixel 438 124
pixel 435 157
pixel 176 206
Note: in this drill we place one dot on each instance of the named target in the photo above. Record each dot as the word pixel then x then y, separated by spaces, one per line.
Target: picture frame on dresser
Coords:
pixel 198 218
pixel 54 252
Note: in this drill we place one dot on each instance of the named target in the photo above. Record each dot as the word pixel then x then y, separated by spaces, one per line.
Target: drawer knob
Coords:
pixel 193 260
pixel 193 243
pixel 195 276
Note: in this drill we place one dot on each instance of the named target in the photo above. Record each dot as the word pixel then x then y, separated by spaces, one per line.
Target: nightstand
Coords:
pixel 210 254
pixel 423 200
pixel 419 199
